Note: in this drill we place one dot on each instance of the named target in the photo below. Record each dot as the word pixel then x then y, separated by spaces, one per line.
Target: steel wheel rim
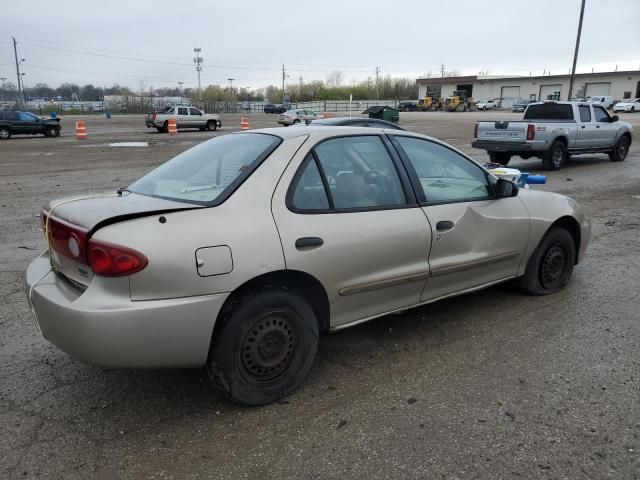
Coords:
pixel 267 348
pixel 4 134
pixel 554 265
pixel 557 156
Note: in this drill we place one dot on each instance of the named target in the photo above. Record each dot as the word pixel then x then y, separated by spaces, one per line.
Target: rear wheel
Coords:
pixel 4 133
pixel 165 127
pixel 620 150
pixel 550 267
pixel 502 158
pixel 212 125
pixel 296 121
pixel 555 157
pixel 263 346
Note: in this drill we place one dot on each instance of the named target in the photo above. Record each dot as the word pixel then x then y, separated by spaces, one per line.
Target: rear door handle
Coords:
pixel 444 225
pixel 582 126
pixel 306 242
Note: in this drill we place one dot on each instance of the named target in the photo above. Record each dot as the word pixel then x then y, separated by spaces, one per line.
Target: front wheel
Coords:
pixel 5 133
pixel 263 346
pixel 620 150
pixel 51 132
pixel 502 158
pixel 550 267
pixel 212 125
pixel 555 157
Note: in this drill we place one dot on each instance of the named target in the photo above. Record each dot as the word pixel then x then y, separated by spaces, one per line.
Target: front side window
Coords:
pixel 445 176
pixel 585 113
pixel 360 173
pixel 28 117
pixel 182 111
pixel 195 111
pixel 208 172
pixel 600 114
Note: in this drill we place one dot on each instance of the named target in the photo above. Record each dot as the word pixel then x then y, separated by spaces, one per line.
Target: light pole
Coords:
pixel 3 79
pixel 198 61
pixel 231 84
pixel 575 53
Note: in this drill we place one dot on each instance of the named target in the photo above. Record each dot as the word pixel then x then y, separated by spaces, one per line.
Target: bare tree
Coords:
pixel 335 78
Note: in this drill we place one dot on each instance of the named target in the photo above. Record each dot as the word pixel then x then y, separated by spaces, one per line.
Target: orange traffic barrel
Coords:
pixel 244 124
pixel 172 126
pixel 326 115
pixel 81 130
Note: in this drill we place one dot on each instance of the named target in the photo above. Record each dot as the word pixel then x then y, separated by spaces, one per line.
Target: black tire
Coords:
pixel 502 158
pixel 551 264
pixel 555 157
pixel 212 125
pixel 263 346
pixel 620 149
pixel 165 127
pixel 296 121
pixel 51 132
pixel 160 129
pixel 5 133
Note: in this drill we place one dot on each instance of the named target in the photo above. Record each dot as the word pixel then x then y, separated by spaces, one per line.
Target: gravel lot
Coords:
pixel 491 385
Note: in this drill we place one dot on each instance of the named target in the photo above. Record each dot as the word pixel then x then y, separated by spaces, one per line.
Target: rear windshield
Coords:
pixel 208 173
pixel 549 111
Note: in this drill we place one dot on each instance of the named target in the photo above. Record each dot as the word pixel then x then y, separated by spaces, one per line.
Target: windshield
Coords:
pixel 208 173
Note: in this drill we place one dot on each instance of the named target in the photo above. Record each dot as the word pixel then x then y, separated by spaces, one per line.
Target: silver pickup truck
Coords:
pixel 186 117
pixel 553 131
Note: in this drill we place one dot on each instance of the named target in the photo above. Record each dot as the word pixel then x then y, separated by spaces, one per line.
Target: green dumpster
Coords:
pixel 389 114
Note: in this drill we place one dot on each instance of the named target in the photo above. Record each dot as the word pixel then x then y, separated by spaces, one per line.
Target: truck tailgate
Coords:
pixel 502 131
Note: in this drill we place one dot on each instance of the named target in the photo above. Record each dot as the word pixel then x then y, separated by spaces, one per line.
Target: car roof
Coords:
pixel 320 131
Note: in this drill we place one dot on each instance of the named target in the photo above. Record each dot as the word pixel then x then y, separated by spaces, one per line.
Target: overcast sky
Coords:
pixel 151 43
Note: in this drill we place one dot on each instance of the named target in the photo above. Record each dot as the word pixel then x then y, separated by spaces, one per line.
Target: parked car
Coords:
pixel 292 117
pixel 408 106
pixel 605 101
pixel 554 130
pixel 627 105
pixel 520 105
pixel 185 117
pixel 355 122
pixel 26 123
pixel 486 105
pixel 238 252
pixel 97 108
pixel 271 108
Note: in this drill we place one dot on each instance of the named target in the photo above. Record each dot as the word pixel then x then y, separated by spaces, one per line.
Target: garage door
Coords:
pixel 550 92
pixel 598 89
pixel 509 95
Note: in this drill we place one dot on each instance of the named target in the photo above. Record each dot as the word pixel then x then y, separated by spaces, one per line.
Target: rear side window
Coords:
pixel 309 192
pixel 182 111
pixel 209 172
pixel 585 113
pixel 600 114
pixel 549 111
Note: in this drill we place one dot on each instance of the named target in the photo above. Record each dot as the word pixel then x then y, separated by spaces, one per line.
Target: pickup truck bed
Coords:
pixel 553 131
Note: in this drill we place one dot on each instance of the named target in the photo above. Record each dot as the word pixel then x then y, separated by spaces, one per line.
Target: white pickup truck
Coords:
pixel 553 131
pixel 186 117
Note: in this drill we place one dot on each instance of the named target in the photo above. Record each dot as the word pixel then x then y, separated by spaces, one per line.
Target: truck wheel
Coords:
pixel 165 127
pixel 502 158
pixel 160 129
pixel 4 133
pixel 551 264
pixel 51 132
pixel 555 157
pixel 263 346
pixel 296 121
pixel 212 125
pixel 620 150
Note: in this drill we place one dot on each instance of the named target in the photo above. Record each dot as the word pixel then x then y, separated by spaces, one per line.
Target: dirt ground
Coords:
pixel 490 385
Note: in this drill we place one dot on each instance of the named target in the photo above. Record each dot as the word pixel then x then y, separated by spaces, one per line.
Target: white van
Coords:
pixel 605 101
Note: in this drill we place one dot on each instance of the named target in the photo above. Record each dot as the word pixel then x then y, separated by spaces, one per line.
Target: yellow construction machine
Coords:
pixel 459 102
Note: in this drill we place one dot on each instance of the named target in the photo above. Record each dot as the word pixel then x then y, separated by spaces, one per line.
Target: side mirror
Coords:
pixel 615 118
pixel 506 188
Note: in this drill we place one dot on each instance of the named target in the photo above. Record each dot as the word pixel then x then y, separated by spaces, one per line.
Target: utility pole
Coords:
pixel 442 70
pixel 198 61
pixel 575 53
pixel 231 84
pixel 15 52
pixel 283 76
pixel 3 79
pixel 377 83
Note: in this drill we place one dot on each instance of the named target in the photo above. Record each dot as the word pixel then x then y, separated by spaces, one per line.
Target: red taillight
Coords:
pixel 67 239
pixel 531 131
pixel 109 260
pixel 475 131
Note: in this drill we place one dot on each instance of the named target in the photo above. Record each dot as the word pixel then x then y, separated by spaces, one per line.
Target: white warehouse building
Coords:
pixel 618 85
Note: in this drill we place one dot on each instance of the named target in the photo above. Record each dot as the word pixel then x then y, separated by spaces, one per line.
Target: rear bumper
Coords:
pixel 102 326
pixel 514 147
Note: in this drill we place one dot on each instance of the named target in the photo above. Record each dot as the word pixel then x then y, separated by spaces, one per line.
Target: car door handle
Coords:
pixel 582 126
pixel 444 225
pixel 306 242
